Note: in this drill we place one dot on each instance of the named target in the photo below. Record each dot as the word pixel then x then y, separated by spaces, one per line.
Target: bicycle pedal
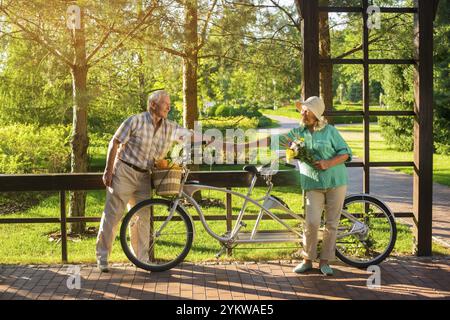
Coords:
pixel 219 254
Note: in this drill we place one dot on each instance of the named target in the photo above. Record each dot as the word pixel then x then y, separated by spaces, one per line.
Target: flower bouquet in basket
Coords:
pixel 296 149
pixel 172 160
pixel 166 176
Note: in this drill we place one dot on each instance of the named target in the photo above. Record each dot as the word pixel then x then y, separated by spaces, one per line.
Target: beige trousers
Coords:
pixel 128 188
pixel 331 200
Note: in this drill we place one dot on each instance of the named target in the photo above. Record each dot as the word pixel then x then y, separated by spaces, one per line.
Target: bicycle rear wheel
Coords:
pixel 369 240
pixel 152 241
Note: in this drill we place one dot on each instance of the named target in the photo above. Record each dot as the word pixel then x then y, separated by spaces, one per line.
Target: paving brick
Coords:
pixel 402 278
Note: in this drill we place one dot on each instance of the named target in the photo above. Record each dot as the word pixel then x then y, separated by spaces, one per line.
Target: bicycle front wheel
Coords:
pixel 369 236
pixel 153 239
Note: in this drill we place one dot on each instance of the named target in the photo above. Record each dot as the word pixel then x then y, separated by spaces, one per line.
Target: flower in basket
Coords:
pixel 171 160
pixel 296 149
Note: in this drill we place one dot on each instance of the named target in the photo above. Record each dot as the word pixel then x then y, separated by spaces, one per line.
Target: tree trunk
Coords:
pixel 141 76
pixel 190 62
pixel 326 69
pixel 79 142
pixel 142 84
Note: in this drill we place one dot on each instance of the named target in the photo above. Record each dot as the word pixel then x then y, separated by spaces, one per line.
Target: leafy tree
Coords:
pixel 442 79
pixel 398 85
pixel 34 88
pixel 91 38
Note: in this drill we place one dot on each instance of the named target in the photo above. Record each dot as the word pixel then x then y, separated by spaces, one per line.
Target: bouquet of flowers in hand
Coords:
pixel 296 149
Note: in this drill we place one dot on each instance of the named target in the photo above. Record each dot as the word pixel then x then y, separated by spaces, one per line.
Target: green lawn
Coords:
pixel 291 112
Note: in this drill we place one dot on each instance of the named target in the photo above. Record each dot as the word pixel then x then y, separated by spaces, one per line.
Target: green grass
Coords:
pixel 291 112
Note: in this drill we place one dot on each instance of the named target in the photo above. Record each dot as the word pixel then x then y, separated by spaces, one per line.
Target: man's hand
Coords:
pixel 110 159
pixel 322 164
pixel 107 178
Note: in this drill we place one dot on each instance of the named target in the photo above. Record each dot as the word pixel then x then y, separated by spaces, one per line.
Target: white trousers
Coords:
pixel 317 201
pixel 128 188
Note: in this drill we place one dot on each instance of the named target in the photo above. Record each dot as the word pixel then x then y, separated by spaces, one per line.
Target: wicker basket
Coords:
pixel 167 181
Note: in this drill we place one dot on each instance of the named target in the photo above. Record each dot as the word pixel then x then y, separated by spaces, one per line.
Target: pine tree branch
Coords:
pixel 37 38
pixel 296 24
pixel 205 26
pixel 130 34
pixel 100 44
pixel 359 47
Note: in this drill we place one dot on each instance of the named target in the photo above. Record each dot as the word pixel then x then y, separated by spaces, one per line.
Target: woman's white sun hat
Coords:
pixel 314 104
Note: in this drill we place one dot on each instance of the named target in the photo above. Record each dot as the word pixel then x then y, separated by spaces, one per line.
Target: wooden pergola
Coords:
pixel 424 13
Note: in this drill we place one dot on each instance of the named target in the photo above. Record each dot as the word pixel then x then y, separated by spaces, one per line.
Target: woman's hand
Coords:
pixel 327 164
pixel 322 164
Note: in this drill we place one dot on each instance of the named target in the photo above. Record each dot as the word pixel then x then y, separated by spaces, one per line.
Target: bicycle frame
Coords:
pixel 268 202
pixel 365 251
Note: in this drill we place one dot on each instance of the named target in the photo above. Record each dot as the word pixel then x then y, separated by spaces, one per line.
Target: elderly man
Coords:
pixel 142 138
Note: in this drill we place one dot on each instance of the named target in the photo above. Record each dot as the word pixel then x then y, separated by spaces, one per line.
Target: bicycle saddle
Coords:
pixel 251 169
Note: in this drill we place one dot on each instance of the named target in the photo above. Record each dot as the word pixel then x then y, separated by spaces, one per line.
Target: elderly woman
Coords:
pixel 324 183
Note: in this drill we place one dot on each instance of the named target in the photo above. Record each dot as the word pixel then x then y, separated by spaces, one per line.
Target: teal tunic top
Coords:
pixel 325 144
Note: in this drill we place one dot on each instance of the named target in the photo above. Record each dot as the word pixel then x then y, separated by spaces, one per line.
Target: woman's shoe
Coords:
pixel 102 266
pixel 303 267
pixel 326 270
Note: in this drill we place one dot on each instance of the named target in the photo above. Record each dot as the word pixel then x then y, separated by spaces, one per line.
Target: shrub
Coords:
pixel 222 124
pixel 443 148
pixel 223 111
pixel 30 149
pixel 264 122
pixel 246 110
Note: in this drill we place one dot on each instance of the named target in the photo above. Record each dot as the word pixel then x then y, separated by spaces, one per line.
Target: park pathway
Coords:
pixel 395 188
pixel 401 278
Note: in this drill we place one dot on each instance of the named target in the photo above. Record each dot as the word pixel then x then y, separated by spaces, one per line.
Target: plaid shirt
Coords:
pixel 141 145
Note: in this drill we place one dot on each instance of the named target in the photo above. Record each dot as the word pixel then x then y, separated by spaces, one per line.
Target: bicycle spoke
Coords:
pixel 162 250
pixel 368 238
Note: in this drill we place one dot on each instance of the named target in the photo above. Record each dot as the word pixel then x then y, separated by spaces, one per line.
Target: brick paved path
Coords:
pixel 401 278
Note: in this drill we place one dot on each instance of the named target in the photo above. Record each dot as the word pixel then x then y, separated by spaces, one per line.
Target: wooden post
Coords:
pixel 229 218
pixel 63 227
pixel 309 12
pixel 366 100
pixel 423 127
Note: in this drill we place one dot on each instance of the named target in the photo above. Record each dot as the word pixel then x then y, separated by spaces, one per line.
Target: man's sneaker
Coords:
pixel 303 267
pixel 102 266
pixel 326 270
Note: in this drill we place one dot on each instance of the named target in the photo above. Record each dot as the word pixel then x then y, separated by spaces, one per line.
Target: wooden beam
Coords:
pixel 366 99
pixel 377 164
pixel 435 5
pixel 361 9
pixel 93 181
pixel 369 61
pixel 397 113
pixel 310 38
pixel 423 127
